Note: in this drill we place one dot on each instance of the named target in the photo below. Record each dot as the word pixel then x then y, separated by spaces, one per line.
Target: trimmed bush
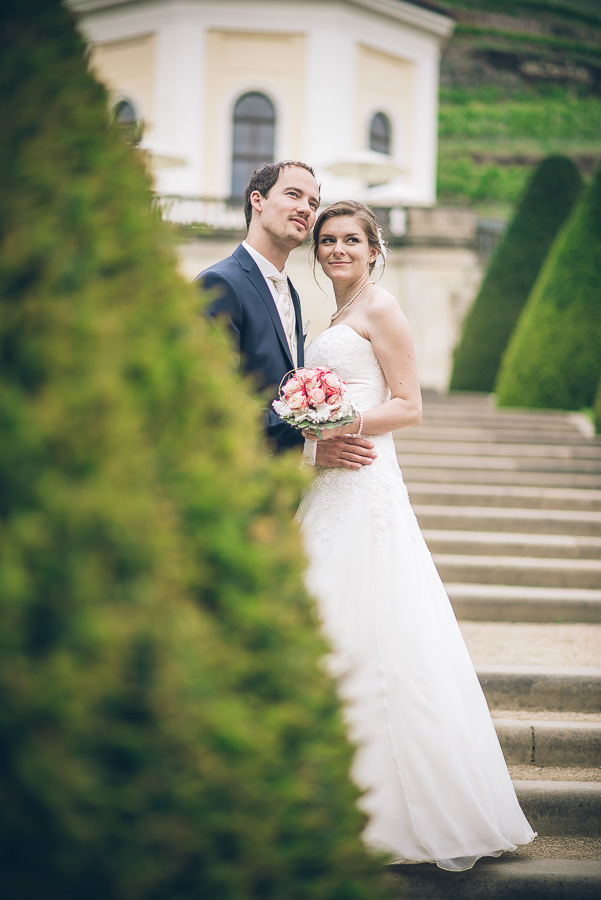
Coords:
pixel 546 202
pixel 166 727
pixel 597 410
pixel 553 359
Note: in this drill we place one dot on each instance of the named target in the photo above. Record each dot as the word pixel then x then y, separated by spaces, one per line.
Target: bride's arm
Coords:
pixel 388 330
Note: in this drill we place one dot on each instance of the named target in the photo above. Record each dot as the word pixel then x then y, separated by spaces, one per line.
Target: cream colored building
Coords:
pixel 350 86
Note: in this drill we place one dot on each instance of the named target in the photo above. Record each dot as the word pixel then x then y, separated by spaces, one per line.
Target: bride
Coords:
pixel 436 787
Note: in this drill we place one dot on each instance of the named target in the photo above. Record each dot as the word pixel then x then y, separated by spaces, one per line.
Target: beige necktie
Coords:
pixel 285 308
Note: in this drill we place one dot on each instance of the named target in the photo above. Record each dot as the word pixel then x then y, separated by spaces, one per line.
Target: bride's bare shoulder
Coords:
pixel 382 309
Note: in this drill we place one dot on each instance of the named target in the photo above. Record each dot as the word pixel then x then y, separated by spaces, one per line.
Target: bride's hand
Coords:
pixel 328 434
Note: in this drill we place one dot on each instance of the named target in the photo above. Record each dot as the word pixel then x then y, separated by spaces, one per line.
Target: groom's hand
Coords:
pixel 348 452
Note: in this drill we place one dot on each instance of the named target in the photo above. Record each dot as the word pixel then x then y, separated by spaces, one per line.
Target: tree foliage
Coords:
pixel 543 208
pixel 166 728
pixel 554 356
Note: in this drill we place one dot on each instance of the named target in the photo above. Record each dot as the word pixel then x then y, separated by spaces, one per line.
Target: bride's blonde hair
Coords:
pixel 367 220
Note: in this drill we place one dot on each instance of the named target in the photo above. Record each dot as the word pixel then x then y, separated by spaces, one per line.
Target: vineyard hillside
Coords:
pixel 520 80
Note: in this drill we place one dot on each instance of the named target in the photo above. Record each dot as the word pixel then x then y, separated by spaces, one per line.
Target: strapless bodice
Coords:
pixel 351 356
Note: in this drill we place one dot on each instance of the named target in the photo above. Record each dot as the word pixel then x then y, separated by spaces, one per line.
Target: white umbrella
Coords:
pixel 368 165
pixel 161 157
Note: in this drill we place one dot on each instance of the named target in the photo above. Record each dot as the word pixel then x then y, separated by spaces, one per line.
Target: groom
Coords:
pixel 260 304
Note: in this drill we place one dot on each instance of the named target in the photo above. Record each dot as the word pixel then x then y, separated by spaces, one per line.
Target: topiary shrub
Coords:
pixel 597 410
pixel 553 359
pixel 546 202
pixel 554 356
pixel 166 729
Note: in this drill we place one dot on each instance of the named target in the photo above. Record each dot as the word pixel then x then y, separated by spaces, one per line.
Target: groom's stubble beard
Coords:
pixel 288 239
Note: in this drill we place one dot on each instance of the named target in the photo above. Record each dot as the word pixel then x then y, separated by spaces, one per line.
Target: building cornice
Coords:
pixel 409 13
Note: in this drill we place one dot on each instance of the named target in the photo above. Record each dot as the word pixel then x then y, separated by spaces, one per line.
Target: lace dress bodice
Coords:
pixel 380 484
pixel 351 356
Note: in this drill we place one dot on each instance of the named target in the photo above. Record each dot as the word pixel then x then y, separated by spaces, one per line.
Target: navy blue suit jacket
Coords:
pixel 243 297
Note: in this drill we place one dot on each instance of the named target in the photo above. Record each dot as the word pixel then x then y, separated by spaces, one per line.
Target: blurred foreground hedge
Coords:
pixel 166 730
pixel 546 202
pixel 553 359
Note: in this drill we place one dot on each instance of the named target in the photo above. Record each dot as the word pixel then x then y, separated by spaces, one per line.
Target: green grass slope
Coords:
pixel 520 80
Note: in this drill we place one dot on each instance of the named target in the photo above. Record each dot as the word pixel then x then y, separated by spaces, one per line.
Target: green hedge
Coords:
pixel 546 202
pixel 554 356
pixel 166 727
pixel 597 410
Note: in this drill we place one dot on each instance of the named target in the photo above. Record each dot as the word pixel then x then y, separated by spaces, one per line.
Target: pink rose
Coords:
pixel 334 382
pixel 334 400
pixel 294 384
pixel 297 400
pixel 316 395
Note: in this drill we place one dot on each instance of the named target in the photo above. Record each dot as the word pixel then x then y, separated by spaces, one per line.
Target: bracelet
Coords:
pixel 359 433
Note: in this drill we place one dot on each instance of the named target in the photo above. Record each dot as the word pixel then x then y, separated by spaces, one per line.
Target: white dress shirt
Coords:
pixel 268 271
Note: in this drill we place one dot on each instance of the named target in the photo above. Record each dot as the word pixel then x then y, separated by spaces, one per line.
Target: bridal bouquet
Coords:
pixel 313 399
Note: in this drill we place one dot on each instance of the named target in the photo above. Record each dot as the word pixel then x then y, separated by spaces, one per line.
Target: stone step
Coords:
pixel 505 495
pixel 408 457
pixel 520 571
pixel 558 808
pixel 565 644
pixel 541 422
pixel 510 877
pixel 538 451
pixel 541 687
pixel 471 432
pixel 440 473
pixel 555 773
pixel 531 742
pixel 493 543
pixel 477 406
pixel 523 603
pixel 462 416
pixel 477 518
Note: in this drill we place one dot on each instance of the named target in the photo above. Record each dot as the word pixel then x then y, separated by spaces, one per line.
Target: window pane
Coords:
pixel 379 135
pixel 253 140
pixel 124 115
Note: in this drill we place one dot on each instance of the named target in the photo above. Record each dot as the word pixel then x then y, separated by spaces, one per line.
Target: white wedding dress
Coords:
pixel 436 785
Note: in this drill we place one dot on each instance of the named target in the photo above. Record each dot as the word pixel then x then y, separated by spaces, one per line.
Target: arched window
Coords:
pixel 124 114
pixel 254 133
pixel 380 133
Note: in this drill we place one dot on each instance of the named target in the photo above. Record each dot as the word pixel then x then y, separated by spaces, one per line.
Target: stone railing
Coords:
pixel 215 214
pixel 430 226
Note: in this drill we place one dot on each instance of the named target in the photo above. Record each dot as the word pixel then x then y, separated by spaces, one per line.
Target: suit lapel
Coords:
pixel 253 274
pixel 300 338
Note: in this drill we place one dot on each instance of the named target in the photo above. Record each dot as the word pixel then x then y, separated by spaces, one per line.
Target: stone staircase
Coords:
pixel 510 505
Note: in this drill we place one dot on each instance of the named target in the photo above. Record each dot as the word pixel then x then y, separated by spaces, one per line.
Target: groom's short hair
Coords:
pixel 263 179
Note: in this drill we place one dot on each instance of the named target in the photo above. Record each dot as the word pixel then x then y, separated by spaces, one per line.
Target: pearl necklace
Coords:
pixel 354 297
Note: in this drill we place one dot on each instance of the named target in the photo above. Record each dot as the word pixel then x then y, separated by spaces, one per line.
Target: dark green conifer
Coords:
pixel 166 728
pixel 553 359
pixel 597 410
pixel 546 202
